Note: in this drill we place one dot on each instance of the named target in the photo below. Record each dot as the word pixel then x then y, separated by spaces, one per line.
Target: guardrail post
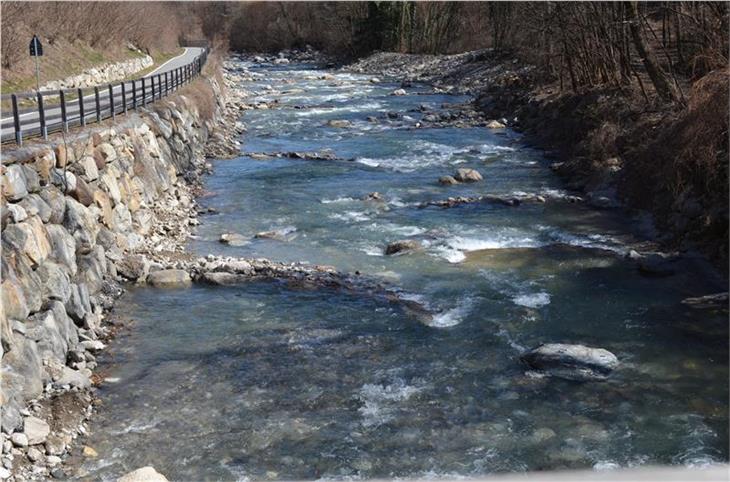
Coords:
pixel 98 104
pixel 134 94
pixel 42 117
pixel 16 121
pixel 111 101
pixel 124 97
pixel 159 86
pixel 64 120
pixel 82 116
pixel 144 97
pixel 152 83
pixel 167 84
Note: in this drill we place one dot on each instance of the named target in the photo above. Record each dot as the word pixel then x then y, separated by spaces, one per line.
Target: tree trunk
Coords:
pixel 662 84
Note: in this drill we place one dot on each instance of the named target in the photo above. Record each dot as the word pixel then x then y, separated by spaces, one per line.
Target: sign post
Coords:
pixel 36 50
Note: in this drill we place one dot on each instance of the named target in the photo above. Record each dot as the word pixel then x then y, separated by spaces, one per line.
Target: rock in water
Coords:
pixel 495 124
pixel 717 301
pixel 402 246
pixel 145 474
pixel 447 181
pixel 169 277
pixel 282 234
pixel 233 239
pixel 399 92
pixel 574 362
pixel 467 175
pixel 374 196
pixel 339 123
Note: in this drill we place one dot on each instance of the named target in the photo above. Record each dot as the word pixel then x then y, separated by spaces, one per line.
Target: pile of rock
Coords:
pixel 103 74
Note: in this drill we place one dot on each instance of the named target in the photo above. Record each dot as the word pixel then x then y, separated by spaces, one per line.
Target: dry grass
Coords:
pixel 681 174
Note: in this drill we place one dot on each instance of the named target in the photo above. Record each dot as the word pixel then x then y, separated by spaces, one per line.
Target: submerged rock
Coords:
pixel 399 92
pixel 282 234
pixel 447 181
pixel 575 362
pixel 655 265
pixel 402 246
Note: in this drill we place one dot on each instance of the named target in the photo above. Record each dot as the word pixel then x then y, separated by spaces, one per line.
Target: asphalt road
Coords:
pixel 30 119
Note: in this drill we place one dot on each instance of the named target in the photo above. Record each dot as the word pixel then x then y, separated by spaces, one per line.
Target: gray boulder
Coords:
pixel 169 278
pixel 14 186
pixel 36 430
pixel 575 362
pixel 145 474
pixel 467 175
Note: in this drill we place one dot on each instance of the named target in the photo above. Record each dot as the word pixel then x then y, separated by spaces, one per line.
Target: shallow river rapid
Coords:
pixel 264 382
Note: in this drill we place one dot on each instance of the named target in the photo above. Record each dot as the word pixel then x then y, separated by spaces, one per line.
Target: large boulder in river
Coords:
pixel 575 362
pixel 467 175
pixel 169 277
pixel 495 124
pixel 402 246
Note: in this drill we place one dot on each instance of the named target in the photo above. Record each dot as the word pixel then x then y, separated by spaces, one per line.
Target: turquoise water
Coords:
pixel 264 382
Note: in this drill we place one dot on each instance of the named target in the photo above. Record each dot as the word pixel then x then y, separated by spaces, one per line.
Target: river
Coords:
pixel 261 381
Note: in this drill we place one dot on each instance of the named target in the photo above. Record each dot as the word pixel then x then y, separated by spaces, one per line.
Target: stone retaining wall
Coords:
pixel 103 74
pixel 74 211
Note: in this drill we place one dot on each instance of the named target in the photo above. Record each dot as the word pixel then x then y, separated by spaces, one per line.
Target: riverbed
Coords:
pixel 261 381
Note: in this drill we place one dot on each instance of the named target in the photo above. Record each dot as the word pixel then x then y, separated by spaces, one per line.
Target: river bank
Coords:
pixel 83 214
pixel 615 146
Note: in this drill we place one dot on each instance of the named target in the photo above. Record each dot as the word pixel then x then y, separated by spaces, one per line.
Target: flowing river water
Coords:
pixel 261 381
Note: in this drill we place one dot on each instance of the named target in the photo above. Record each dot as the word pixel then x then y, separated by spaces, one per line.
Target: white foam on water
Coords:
pixel 597 241
pixel 396 229
pixel 350 216
pixel 315 111
pixel 343 199
pixel 605 465
pixel 380 402
pixel 449 254
pixel 532 300
pixel 372 250
pixel 138 427
pixel 454 248
pixel 454 316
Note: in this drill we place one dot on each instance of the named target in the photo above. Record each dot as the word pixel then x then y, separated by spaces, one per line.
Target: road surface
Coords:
pixel 30 118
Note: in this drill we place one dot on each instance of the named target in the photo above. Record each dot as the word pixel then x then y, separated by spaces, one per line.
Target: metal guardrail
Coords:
pixel 59 110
